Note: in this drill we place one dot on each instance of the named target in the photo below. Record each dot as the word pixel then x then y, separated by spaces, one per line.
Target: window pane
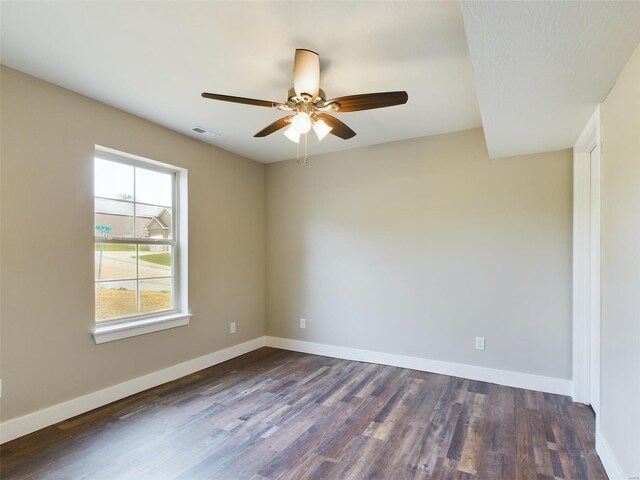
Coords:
pixel 156 295
pixel 113 179
pixel 154 187
pixel 115 299
pixel 153 221
pixel 133 201
pixel 155 261
pixel 115 261
pixel 113 218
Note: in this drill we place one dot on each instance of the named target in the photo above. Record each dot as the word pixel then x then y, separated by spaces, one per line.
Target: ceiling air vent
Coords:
pixel 204 132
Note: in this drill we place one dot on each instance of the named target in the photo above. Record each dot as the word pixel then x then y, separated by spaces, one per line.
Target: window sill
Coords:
pixel 109 333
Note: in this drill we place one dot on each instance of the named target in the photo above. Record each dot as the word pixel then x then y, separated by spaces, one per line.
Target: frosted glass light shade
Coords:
pixel 321 129
pixel 301 122
pixel 292 134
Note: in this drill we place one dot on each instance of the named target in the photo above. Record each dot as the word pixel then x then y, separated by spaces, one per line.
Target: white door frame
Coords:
pixel 586 265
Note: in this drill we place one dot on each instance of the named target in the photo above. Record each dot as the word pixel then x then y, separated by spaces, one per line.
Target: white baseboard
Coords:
pixel 608 459
pixel 20 426
pixel 509 378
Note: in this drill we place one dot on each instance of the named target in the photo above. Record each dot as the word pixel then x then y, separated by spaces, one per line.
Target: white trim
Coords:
pixel 181 233
pixel 594 275
pixel 586 265
pixel 509 378
pixel 113 155
pixel 117 331
pixel 581 182
pixel 20 426
pixel 608 459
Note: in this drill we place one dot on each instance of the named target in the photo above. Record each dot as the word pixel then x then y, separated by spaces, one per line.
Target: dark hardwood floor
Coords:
pixel 273 414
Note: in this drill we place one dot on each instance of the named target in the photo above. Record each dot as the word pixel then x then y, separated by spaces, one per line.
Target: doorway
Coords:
pixel 586 266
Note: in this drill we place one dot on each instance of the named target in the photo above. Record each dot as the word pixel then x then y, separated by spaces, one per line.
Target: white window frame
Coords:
pixel 110 330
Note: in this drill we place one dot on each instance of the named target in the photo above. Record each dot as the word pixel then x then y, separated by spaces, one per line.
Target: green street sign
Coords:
pixel 103 228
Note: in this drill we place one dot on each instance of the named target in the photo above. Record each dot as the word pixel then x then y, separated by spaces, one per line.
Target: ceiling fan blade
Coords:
pixel 339 128
pixel 275 126
pixel 369 101
pixel 306 73
pixel 246 101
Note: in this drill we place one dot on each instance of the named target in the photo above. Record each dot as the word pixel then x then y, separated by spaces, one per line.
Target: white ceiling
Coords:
pixel 542 67
pixel 153 59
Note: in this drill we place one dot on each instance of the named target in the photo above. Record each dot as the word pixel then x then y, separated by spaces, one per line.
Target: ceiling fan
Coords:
pixel 309 106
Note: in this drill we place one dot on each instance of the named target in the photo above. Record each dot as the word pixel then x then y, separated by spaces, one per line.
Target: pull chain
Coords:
pixel 306 155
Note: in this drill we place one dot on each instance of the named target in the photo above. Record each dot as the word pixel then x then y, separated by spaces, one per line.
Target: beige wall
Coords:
pixel 412 247
pixel 620 335
pixel 47 353
pixel 416 247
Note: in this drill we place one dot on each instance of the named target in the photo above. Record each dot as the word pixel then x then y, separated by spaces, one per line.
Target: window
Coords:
pixel 140 245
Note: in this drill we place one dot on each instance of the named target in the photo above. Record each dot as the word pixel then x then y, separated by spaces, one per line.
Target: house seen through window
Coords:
pixel 135 239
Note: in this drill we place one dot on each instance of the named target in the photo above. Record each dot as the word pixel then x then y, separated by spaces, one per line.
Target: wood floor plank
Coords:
pixel 279 415
pixel 472 448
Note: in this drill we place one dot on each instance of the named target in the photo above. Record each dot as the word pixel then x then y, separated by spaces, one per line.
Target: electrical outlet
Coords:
pixel 479 343
pixel 303 323
pixel 232 327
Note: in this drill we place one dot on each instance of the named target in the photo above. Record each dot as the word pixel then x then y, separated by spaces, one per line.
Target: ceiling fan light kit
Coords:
pixel 301 122
pixel 308 104
pixel 321 128
pixel 292 134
